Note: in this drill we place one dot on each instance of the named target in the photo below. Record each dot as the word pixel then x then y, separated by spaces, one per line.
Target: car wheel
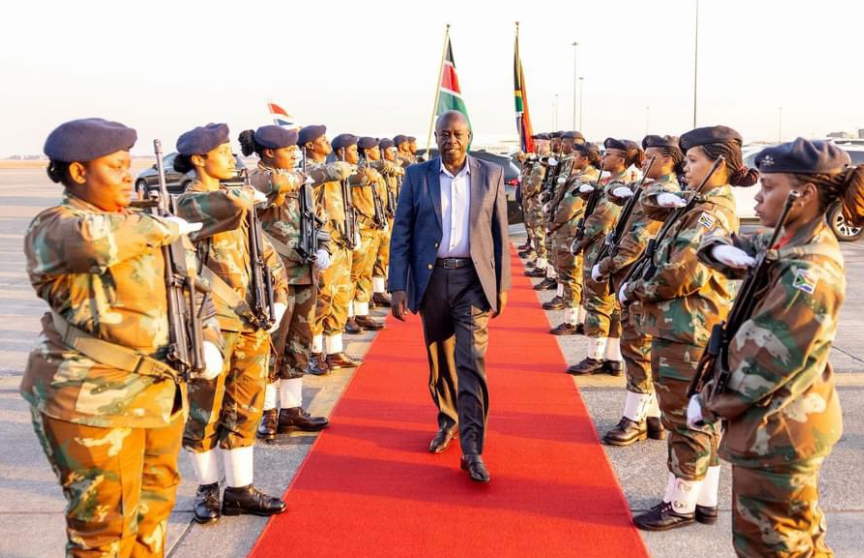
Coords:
pixel 844 231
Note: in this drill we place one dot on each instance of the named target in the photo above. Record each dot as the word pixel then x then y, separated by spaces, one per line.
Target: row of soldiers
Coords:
pixel 642 244
pixel 191 320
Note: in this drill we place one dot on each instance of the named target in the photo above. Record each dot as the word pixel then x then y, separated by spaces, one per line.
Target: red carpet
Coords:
pixel 370 488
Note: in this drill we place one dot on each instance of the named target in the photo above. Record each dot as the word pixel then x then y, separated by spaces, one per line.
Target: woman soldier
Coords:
pixel 780 405
pixel 282 220
pixel 682 299
pixel 110 431
pixel 393 177
pixel 602 315
pixel 641 417
pixel 586 160
pixel 226 411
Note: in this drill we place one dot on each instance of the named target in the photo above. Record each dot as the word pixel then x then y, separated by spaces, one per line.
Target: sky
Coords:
pixel 768 68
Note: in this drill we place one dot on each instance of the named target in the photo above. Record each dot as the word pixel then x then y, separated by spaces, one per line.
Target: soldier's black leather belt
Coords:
pixel 453 263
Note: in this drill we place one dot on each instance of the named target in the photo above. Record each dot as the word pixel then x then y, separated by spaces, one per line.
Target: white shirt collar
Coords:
pixel 465 169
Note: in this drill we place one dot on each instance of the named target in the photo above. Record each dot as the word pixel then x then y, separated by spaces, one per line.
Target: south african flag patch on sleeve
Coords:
pixel 806 280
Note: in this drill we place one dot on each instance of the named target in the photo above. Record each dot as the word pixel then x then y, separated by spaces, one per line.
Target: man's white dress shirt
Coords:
pixel 455 212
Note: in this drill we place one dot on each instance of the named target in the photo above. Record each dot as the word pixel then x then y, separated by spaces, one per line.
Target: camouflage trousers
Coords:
pixel 292 342
pixel 536 221
pixel 673 366
pixel 382 262
pixel 776 513
pixel 636 350
pixel 119 484
pixel 363 262
pixel 226 411
pixel 602 313
pixel 334 294
pixel 569 269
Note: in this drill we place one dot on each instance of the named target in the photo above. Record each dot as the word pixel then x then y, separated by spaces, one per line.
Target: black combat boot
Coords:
pixel 267 428
pixel 352 327
pixel 627 432
pixel 249 500
pixel 546 285
pixel 613 367
pixel 381 299
pixel 707 515
pixel 563 329
pixel 296 418
pixel 655 428
pixel 557 303
pixel 587 367
pixel 317 365
pixel 663 517
pixel 206 509
pixel 536 272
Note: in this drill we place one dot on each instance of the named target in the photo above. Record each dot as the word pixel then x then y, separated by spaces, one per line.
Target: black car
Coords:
pixel 512 180
pixel 176 182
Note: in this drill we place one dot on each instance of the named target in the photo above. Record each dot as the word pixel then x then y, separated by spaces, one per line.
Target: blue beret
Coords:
pixel 573 135
pixel 411 139
pixel 612 143
pixel 343 140
pixel 400 139
pixel 660 141
pixel 803 157
pixel 586 148
pixel 202 139
pixel 275 137
pixel 87 139
pixel 540 136
pixel 386 143
pixel 554 135
pixel 709 134
pixel 311 133
pixel 367 142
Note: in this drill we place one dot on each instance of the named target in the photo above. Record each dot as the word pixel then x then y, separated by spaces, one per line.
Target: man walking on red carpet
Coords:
pixel 449 260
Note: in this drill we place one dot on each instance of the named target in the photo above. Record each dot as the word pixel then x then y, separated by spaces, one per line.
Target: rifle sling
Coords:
pixel 284 250
pixel 229 296
pixel 112 354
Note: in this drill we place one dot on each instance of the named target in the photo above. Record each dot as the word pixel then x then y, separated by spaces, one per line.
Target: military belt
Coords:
pixel 111 354
pixel 229 296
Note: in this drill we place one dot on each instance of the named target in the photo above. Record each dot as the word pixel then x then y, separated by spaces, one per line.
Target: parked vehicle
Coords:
pixel 176 182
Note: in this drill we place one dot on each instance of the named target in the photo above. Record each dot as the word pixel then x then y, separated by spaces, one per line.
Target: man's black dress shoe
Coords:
pixel 477 470
pixel 626 433
pixel 442 440
pixel 250 500
pixel 206 508
pixel 296 418
pixel 663 517
pixel 267 428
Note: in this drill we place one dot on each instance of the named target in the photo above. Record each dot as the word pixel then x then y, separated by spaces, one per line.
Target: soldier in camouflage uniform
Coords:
pixel 641 417
pixel 570 211
pixel 534 215
pixel 682 299
pixel 393 178
pixel 226 411
pixel 334 285
pixel 780 405
pixel 276 177
pixel 550 282
pixel 110 430
pixel 367 188
pixel 602 313
pixel 403 150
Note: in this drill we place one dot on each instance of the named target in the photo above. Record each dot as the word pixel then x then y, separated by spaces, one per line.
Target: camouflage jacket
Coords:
pixel 223 245
pixel 104 274
pixel 569 209
pixel 366 193
pixel 639 230
pixel 328 199
pixel 781 405
pixel 684 298
pixel 534 183
pixel 602 219
pixel 281 219
pixel 561 187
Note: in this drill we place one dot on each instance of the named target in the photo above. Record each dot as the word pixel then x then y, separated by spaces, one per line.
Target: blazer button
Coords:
pixel 436 245
pixel 429 266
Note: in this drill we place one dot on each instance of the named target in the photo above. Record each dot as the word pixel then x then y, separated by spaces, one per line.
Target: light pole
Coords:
pixel 696 65
pixel 575 46
pixel 780 125
pixel 647 119
pixel 581 85
pixel 555 114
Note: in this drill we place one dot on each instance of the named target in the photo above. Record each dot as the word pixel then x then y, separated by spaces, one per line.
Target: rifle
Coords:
pixel 613 240
pixel 549 180
pixel 379 217
pixel 261 278
pixel 185 338
pixel 710 371
pixel 590 206
pixel 645 266
pixel 310 224
pixel 349 226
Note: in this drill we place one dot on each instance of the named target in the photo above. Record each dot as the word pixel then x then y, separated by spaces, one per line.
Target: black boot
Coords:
pixel 580 329
pixel 527 254
pixel 381 299
pixel 546 285
pixel 249 500
pixel 706 515
pixel 663 518
pixel 627 432
pixel 613 367
pixel 587 367
pixel 317 365
pixel 536 272
pixel 267 428
pixel 655 428
pixel 297 419
pixel 369 323
pixel 557 303
pixel 563 329
pixel 352 327
pixel 206 509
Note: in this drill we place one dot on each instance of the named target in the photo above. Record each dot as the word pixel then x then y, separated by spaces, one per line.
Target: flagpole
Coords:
pixel 437 91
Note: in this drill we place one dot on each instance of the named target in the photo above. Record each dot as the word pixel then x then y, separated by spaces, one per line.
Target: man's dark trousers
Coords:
pixel 455 315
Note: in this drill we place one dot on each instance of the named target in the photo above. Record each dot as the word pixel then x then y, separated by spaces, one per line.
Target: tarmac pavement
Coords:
pixel 31 504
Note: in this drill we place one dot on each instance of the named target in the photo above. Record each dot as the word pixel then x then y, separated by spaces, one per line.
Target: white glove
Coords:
pixel 358 240
pixel 546 208
pixel 185 226
pixel 552 162
pixel 622 192
pixel 695 420
pixel 595 273
pixel 322 259
pixel 340 170
pixel 670 200
pixel 258 198
pixel 586 188
pixel 279 309
pixel 213 361
pixel 732 256
pixel 622 296
pixel 561 180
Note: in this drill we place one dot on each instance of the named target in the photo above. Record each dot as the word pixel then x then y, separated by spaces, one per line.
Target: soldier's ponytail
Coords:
pixel 57 171
pixel 183 163
pixel 248 145
pixel 739 174
pixel 634 157
pixel 846 187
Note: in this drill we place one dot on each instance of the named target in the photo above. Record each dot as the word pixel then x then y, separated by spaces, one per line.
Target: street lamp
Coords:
pixel 647 119
pixel 780 125
pixel 555 114
pixel 575 46
pixel 696 65
pixel 581 85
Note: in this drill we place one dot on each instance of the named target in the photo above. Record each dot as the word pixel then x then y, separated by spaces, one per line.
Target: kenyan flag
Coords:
pixel 449 93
